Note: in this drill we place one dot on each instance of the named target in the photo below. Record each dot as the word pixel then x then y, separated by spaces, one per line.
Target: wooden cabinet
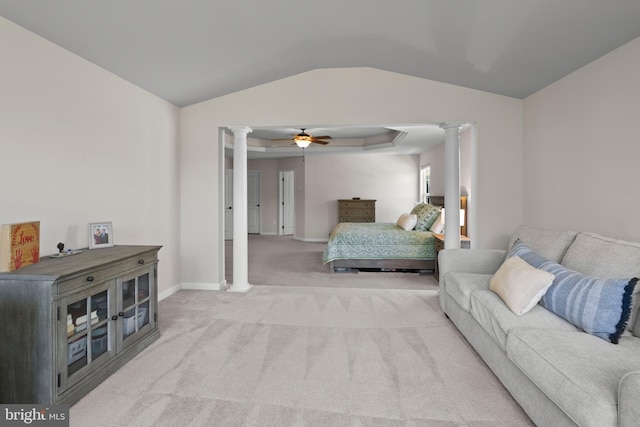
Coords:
pixel 70 322
pixel 465 243
pixel 356 210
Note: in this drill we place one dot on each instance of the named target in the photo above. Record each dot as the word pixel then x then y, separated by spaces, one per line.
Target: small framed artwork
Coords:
pixel 100 235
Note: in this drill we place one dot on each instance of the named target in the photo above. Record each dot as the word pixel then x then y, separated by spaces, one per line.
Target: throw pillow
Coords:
pixel 427 214
pixel 438 225
pixel 520 285
pixel 622 260
pixel 407 221
pixel 600 307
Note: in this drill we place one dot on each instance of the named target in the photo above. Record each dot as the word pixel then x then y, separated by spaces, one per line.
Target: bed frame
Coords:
pixel 422 265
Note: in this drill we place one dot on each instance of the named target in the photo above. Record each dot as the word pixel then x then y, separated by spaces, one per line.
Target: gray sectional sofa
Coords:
pixel 558 373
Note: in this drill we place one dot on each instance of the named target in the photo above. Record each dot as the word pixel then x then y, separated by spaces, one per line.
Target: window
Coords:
pixel 425 183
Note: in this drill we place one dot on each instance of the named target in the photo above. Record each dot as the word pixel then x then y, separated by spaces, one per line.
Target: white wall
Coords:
pixel 361 96
pixel 391 180
pixel 582 149
pixel 80 145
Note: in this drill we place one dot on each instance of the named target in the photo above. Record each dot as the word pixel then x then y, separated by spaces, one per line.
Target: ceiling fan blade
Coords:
pixel 322 137
pixel 317 141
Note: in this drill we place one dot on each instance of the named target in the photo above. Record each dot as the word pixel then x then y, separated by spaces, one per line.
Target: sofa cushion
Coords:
pixel 460 286
pixel 579 372
pixel 600 307
pixel 600 256
pixel 550 244
pixel 520 285
pixel 497 320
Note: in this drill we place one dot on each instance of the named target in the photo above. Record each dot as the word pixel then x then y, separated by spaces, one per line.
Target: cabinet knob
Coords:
pixel 90 278
pixel 140 261
pixel 114 317
pixel 121 314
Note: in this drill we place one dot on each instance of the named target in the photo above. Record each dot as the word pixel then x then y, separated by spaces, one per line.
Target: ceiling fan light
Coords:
pixel 302 143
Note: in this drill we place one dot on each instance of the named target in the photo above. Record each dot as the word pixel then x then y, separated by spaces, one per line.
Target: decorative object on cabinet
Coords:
pixel 69 323
pixel 356 210
pixel 100 235
pixel 19 245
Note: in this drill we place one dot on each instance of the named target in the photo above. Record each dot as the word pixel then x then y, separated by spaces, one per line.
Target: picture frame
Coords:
pixel 100 235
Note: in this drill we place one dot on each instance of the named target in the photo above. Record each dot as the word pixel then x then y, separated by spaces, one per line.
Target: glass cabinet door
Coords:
pixel 88 334
pixel 135 302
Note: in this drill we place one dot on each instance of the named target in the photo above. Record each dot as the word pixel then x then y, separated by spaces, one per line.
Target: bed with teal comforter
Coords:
pixel 379 245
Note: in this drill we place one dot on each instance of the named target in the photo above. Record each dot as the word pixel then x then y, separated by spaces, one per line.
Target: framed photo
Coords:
pixel 100 235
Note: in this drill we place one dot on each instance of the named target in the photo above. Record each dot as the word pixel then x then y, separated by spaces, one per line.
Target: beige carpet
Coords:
pixel 303 356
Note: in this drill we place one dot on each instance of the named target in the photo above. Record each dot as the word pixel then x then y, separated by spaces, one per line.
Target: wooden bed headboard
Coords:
pixel 439 201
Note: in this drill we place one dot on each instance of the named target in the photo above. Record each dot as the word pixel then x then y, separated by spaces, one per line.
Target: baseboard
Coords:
pixel 311 239
pixel 193 286
pixel 274 233
pixel 172 290
pixel 203 286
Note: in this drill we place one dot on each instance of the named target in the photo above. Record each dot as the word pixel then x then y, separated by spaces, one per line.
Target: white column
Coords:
pixel 240 232
pixel 452 185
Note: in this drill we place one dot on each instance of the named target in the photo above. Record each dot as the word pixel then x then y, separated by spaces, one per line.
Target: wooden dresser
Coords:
pixel 350 210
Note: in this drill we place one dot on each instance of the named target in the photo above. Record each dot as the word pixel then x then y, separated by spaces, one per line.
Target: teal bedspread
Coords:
pixel 378 240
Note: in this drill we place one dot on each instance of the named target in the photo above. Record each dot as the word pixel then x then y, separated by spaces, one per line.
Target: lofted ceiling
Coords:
pixel 188 51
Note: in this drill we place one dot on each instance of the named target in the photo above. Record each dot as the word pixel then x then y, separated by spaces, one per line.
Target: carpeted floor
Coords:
pixel 367 349
pixel 283 261
pixel 296 356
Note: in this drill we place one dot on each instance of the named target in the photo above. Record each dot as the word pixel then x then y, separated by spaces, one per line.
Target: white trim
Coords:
pixel 311 239
pixel 172 290
pixel 192 286
pixel 203 286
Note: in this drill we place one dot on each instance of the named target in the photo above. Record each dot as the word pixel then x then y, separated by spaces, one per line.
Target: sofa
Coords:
pixel 560 374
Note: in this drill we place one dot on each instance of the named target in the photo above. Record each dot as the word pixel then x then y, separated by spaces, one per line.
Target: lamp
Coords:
pixel 302 141
pixel 461 217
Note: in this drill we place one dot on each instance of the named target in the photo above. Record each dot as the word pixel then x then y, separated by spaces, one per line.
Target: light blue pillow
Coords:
pixel 600 307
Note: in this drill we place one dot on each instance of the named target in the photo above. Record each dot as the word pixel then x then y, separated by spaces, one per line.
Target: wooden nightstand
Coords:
pixel 465 243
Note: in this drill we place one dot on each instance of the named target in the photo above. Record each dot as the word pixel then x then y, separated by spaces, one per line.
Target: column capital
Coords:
pixel 451 125
pixel 240 129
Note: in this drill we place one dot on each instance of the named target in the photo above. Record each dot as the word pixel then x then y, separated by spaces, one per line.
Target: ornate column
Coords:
pixel 240 232
pixel 452 185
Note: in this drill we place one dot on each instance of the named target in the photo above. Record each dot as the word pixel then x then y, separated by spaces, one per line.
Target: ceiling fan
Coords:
pixel 303 139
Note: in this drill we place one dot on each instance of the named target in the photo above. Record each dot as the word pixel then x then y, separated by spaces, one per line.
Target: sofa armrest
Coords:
pixel 629 400
pixel 481 261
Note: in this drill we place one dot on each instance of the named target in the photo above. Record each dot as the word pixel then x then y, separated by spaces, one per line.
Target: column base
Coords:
pixel 240 288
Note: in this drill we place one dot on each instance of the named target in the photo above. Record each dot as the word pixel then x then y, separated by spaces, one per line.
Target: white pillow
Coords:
pixel 520 285
pixel 438 226
pixel 407 221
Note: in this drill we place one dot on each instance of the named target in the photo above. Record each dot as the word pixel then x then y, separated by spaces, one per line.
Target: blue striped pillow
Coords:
pixel 600 307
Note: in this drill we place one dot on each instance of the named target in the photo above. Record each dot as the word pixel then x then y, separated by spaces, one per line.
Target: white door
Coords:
pixel 287 207
pixel 254 194
pixel 228 204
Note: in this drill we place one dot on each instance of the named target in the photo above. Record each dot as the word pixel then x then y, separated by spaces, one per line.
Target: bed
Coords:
pixel 383 246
